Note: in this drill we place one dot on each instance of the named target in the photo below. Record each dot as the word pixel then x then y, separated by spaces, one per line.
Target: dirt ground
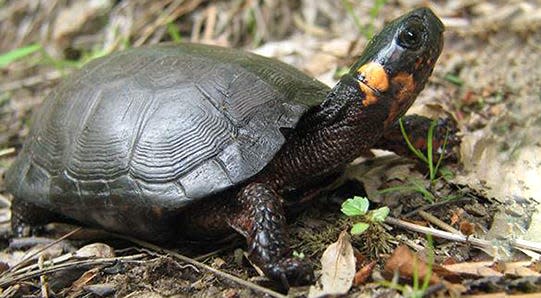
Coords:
pixel 484 214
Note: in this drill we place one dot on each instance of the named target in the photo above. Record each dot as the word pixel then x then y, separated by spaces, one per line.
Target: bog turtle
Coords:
pixel 171 142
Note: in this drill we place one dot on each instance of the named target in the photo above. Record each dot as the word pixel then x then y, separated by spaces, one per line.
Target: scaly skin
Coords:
pixel 318 148
pixel 359 110
pixel 263 223
pixel 363 106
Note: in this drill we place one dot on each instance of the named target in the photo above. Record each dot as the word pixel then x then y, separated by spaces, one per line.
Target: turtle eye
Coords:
pixel 411 36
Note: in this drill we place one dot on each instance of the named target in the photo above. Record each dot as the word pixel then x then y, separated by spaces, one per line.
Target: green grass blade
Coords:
pixel 429 152
pixel 17 54
pixel 415 276
pixel 399 188
pixel 349 9
pixel 415 151
pixel 444 146
pixel 430 262
pixel 174 32
pixel 420 188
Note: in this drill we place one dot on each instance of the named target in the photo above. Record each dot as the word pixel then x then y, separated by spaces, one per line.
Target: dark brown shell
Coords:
pixel 162 125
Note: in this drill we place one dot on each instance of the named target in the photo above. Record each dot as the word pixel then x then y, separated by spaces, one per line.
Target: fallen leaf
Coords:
pixel 455 216
pixel 230 293
pixel 96 250
pixel 76 288
pixel 406 263
pixel 467 228
pixel 490 268
pixel 474 268
pixel 100 290
pixel 338 269
pixel 364 273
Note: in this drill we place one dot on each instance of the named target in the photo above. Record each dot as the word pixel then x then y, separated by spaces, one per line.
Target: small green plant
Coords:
pixel 428 159
pixel 298 255
pixel 358 206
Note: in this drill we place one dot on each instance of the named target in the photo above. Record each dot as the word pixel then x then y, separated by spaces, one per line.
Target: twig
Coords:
pixel 156 254
pixel 43 279
pixel 525 244
pixel 49 267
pixel 437 233
pixel 10 292
pixel 4 201
pixel 431 218
pixel 436 204
pixel 198 264
pixel 22 242
pixel 485 244
pixel 7 151
pixel 29 257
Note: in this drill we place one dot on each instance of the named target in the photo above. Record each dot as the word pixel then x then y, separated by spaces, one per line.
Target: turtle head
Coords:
pixel 397 62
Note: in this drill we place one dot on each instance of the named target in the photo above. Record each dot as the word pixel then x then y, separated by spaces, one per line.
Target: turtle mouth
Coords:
pixel 364 82
pixel 372 79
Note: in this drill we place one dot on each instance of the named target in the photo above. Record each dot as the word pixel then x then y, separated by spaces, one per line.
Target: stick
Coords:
pixel 50 268
pixel 516 243
pixel 198 264
pixel 431 218
pixel 437 233
pixel 42 249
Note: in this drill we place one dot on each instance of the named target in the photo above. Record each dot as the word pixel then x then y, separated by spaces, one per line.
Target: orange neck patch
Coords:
pixel 372 79
pixel 404 96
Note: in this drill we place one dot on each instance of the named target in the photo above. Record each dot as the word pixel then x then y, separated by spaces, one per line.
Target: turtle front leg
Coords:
pixel 259 216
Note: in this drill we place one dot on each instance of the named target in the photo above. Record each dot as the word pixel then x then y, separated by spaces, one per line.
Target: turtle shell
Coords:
pixel 163 125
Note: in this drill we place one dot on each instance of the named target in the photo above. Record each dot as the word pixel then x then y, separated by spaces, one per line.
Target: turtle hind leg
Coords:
pixel 28 219
pixel 259 216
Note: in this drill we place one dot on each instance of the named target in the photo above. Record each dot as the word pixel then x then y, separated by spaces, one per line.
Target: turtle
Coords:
pixel 188 141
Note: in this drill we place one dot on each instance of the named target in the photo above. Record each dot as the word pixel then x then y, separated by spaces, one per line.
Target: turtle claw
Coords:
pixel 291 272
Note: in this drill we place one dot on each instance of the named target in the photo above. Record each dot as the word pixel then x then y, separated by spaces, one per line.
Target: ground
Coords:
pixel 484 214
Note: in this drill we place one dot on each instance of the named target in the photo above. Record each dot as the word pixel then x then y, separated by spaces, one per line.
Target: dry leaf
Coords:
pixel 76 288
pixel 467 228
pixel 96 250
pixel 338 269
pixel 406 263
pixel 485 269
pixel 364 273
pixel 100 290
pixel 455 216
